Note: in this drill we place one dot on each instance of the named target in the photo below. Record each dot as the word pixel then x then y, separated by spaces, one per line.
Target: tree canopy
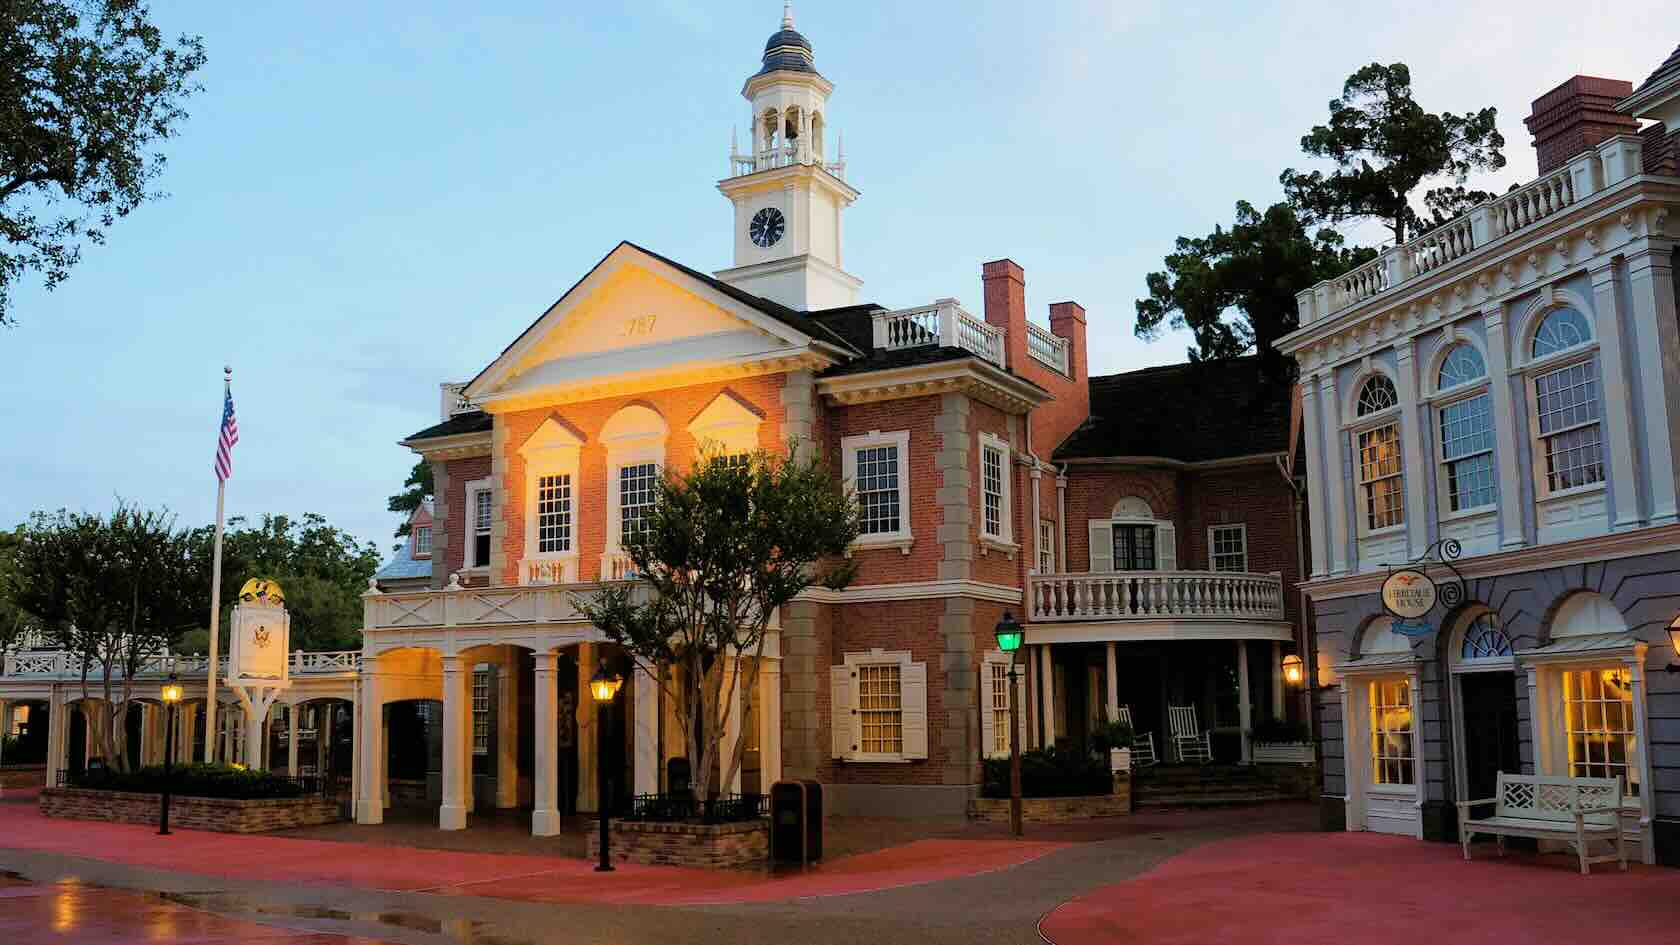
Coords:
pixel 727 542
pixel 1385 145
pixel 1234 289
pixel 416 489
pixel 88 91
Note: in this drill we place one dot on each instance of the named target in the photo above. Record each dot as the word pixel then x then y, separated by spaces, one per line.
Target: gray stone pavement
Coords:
pixel 999 907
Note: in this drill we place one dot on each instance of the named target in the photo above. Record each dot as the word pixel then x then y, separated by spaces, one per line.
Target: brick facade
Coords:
pixel 190 813
pixel 705 846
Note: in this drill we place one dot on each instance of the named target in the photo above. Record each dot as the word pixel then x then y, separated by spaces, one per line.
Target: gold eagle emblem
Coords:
pixel 262 591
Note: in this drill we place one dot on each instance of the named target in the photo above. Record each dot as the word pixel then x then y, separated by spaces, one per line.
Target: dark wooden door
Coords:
pixel 1490 731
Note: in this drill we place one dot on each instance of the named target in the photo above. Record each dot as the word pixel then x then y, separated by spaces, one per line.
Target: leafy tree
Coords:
pixel 416 489
pixel 17 627
pixel 1235 288
pixel 117 592
pixel 1384 146
pixel 88 90
pixel 725 545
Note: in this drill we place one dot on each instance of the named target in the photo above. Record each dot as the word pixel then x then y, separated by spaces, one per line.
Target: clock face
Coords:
pixel 766 227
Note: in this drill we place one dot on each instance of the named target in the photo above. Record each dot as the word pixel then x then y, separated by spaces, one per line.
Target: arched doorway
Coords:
pixel 1484 694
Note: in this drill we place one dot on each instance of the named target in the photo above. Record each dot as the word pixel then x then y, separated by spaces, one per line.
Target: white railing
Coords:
pixel 548 570
pixel 1362 283
pixel 1442 245
pixel 741 165
pixel 1047 349
pixel 617 566
pixel 60 664
pixel 1533 202
pixel 1154 595
pixel 473 607
pixel 943 323
pixel 453 400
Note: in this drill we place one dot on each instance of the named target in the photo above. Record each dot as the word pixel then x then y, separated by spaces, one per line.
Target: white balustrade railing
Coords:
pixel 1533 202
pixel 1362 283
pixel 1154 595
pixel 61 664
pixel 548 570
pixel 453 400
pixel 1047 349
pixel 741 165
pixel 473 607
pixel 943 323
pixel 1442 245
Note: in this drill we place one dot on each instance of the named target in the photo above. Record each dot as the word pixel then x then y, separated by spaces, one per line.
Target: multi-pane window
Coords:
pixel 877 490
pixel 1467 452
pixel 1598 717
pixel 1462 365
pixel 1566 403
pixel 1379 476
pixel 991 489
pixel 481 528
pixel 1228 547
pixel 637 486
pixel 1046 547
pixel 481 711
pixel 422 540
pixel 1134 548
pixel 1000 708
pixel 1484 638
pixel 554 514
pixel 1377 394
pixel 880 709
pixel 1561 330
pixel 1392 756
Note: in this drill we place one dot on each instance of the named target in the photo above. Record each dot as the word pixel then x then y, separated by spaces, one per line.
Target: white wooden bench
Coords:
pixel 1575 810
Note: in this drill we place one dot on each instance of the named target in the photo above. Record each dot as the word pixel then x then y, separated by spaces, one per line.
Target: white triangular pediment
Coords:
pixel 634 315
pixel 726 424
pixel 551 436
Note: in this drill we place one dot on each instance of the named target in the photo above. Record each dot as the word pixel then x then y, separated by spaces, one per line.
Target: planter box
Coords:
pixel 709 846
pixel 1282 753
pixel 23 776
pixel 1057 810
pixel 1119 760
pixel 190 813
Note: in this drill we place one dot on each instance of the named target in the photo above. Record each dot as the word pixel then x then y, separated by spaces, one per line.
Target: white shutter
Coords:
pixel 912 692
pixel 1102 544
pixel 1166 547
pixel 988 730
pixel 841 711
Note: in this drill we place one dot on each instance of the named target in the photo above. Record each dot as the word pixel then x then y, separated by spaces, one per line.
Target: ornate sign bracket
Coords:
pixel 1411 592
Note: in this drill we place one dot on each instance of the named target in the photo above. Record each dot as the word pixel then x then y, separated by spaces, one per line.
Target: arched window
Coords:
pixel 1462 365
pixel 1484 638
pixel 1377 394
pixel 1560 331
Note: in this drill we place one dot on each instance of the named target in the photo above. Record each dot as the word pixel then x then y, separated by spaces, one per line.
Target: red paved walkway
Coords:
pixel 504 876
pixel 1305 889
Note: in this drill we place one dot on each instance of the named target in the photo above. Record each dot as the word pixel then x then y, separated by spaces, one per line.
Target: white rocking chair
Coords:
pixel 1191 743
pixel 1143 743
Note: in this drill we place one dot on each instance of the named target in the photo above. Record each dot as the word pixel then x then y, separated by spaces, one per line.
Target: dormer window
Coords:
pixel 423 541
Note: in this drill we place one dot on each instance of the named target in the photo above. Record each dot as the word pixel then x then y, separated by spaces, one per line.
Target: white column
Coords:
pixel 1032 525
pixel 355 744
pixel 188 720
pixel 644 714
pixel 1277 680
pixel 58 734
pixel 1047 695
pixel 370 745
pixel 1061 524
pixel 589 741
pixel 1317 460
pixel 769 724
pixel 1651 291
pixel 1505 431
pixel 545 815
pixel 1413 433
pixel 258 736
pixel 507 729
pixel 733 676
pixel 1620 438
pixel 292 739
pixel 1245 710
pixel 1335 492
pixel 457 742
pixel 1113 684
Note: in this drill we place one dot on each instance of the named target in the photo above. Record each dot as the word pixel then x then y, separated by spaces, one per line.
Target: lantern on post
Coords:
pixel 603 688
pixel 1674 641
pixel 171 696
pixel 1009 636
pixel 1294 671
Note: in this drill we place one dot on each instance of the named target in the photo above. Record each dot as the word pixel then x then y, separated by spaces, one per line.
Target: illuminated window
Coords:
pixel 1000 707
pixel 880 709
pixel 1598 717
pixel 1228 547
pixel 1566 403
pixel 554 514
pixel 481 711
pixel 1379 477
pixel 1392 755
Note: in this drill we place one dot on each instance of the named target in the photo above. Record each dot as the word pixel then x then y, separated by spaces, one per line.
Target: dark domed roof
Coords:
pixel 787 50
pixel 788 37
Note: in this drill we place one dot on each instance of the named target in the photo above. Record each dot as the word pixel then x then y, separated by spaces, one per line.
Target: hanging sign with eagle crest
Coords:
pixel 261 637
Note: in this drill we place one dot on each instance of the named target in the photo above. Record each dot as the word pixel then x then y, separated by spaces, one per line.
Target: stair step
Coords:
pixel 1220 800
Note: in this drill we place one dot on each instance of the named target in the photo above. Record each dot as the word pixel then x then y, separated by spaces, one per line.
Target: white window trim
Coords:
pixel 631 447
pixel 1532 372
pixel 1366 424
pixel 552 451
pixel 1005 541
pixel 418 531
pixel 1443 483
pixel 903 660
pixel 1000 658
pixel 1047 544
pixel 1242 527
pixel 469 492
pixel 849 446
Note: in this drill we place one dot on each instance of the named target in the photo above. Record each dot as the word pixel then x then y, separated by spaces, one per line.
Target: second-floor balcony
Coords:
pixel 63 664
pixel 1154 596
pixel 942 324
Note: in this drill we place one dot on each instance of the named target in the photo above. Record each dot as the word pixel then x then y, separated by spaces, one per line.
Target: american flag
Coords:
pixel 228 437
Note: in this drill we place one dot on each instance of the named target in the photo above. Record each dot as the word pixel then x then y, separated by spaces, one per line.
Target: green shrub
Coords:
pixel 195 780
pixel 1278 730
pixel 1050 772
pixel 1110 735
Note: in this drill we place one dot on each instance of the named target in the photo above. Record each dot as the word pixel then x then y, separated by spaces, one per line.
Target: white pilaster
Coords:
pixel 1047 693
pixel 1317 460
pixel 1651 291
pixel 1620 438
pixel 733 677
pixel 1335 491
pixel 1413 434
pixel 355 746
pixel 457 742
pixel 507 728
pixel 1277 680
pixel 370 746
pixel 1504 431
pixel 1113 683
pixel 58 735
pixel 645 714
pixel 292 739
pixel 545 815
pixel 769 723
pixel 1245 699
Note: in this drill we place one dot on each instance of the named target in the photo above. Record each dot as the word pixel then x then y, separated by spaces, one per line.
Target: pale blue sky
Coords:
pixel 373 197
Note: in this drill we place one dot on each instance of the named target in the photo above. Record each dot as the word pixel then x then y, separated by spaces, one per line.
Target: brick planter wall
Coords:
pixel 710 846
pixel 1057 810
pixel 1295 780
pixel 23 776
pixel 190 813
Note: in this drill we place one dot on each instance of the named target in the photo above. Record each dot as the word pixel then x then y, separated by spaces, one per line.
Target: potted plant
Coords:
pixel 1113 739
pixel 1276 741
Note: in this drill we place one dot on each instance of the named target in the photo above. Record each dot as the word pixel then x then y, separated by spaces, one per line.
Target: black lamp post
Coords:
pixel 171 698
pixel 1009 635
pixel 602 688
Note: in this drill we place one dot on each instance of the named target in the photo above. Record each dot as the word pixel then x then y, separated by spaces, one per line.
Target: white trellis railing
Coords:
pixel 1153 595
pixel 61 664
pixel 943 323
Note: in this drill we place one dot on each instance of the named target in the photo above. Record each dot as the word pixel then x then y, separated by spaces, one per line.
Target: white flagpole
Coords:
pixel 215 602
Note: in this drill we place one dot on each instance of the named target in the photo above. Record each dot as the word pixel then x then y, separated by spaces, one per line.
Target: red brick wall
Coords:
pixel 995 567
pixel 457 527
pixel 915 414
pixel 1091 493
pixel 190 813
pixel 891 625
pixel 1575 116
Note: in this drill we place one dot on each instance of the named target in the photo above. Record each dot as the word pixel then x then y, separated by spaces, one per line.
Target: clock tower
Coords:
pixel 788 195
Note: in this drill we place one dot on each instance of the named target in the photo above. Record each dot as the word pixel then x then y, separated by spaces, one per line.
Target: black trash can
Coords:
pixel 796 822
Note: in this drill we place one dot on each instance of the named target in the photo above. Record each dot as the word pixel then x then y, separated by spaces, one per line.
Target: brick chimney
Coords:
pixel 1005 288
pixel 1575 116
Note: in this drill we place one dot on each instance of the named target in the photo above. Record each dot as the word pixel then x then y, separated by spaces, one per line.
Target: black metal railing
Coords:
pixel 307 785
pixel 682 806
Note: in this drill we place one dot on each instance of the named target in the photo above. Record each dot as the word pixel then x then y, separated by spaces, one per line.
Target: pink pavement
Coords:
pixel 496 875
pixel 1310 888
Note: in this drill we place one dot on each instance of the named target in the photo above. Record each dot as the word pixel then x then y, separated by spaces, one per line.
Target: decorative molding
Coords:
pixel 914 590
pixel 970 376
pixel 443 448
